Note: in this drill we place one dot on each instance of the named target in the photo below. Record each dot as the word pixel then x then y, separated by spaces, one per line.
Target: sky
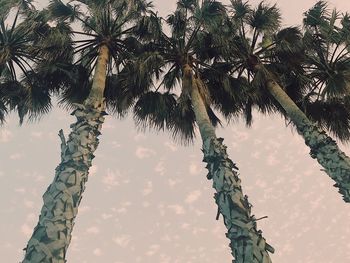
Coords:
pixel 148 199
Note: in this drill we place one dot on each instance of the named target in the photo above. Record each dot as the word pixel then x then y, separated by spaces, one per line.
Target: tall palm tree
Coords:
pixel 177 59
pixel 280 64
pixel 104 48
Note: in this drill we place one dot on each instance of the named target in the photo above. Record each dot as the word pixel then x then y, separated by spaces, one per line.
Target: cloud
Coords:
pixel 116 144
pixel 272 160
pixel 20 190
pixel 122 241
pixel 148 189
pixel 93 170
pixel 107 126
pixel 160 168
pixel 84 209
pixel 177 209
pixel 194 169
pixel 26 230
pixel 152 249
pixel 172 182
pixel 106 216
pixel 143 153
pixel 198 230
pixel 172 146
pixel 193 196
pixel 145 204
pixel 240 136
pixel 185 225
pixel 37 135
pixel 97 252
pixel 31 217
pixel 93 230
pixel 111 179
pixel 139 137
pixel 28 204
pixel 16 156
pixel 5 135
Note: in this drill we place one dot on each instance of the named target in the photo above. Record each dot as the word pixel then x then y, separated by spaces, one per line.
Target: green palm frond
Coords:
pixel 265 19
pixel 14 48
pixel 37 102
pixel 208 47
pixel 56 44
pixel 241 9
pixel 75 84
pixel 172 78
pixel 328 57
pixel 149 28
pixel 332 115
pixel 228 94
pixel 177 23
pixel 345 22
pixel 289 47
pixel 211 13
pixel 120 96
pixel 316 15
pixel 187 4
pixel 135 79
pixel 183 122
pixel 62 11
pixel 24 6
pixel 25 98
pixel 154 110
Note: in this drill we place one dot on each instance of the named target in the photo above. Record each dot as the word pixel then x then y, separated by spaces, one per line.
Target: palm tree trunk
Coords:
pixel 323 148
pixel 52 235
pixel 247 244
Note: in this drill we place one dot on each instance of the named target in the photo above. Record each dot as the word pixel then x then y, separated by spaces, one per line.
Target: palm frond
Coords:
pixel 316 15
pixel 265 18
pixel 332 115
pixel 154 110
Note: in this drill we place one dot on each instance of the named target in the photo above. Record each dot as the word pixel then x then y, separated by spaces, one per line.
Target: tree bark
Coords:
pixel 52 235
pixel 247 244
pixel 323 148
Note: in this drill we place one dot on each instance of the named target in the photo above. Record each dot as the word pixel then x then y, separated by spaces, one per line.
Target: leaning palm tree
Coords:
pixel 180 57
pixel 277 63
pixel 103 49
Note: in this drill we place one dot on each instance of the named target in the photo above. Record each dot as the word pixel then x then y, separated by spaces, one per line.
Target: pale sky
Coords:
pixel 148 199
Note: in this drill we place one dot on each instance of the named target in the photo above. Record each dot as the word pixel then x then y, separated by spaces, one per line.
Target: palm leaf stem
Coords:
pixel 254 40
pixel 84 33
pixel 340 55
pixel 86 47
pixel 192 37
pixel 335 51
pixel 86 24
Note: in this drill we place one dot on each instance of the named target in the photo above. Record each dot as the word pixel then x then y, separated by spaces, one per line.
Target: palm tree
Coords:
pixel 280 64
pixel 104 48
pixel 178 59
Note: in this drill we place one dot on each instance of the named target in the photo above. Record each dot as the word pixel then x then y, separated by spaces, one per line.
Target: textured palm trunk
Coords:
pixel 52 235
pixel 247 243
pixel 323 148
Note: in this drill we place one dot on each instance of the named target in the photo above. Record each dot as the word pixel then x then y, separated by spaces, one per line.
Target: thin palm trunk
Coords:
pixel 247 244
pixel 323 148
pixel 52 235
